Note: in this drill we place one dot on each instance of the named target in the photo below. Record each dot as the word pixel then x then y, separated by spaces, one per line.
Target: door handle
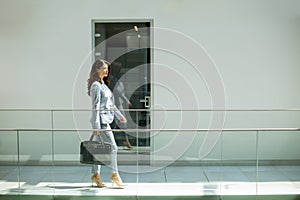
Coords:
pixel 146 101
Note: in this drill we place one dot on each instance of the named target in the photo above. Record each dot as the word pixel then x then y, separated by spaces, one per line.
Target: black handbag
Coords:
pixel 95 152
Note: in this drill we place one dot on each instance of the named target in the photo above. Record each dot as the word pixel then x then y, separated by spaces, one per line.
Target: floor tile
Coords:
pixel 288 167
pixel 292 175
pixel 215 176
pixel 185 174
pixel 266 176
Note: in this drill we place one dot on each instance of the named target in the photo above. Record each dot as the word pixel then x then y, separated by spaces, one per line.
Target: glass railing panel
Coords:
pixel 179 152
pixel 211 160
pixel 67 146
pixel 239 162
pixel 68 172
pixel 35 163
pixel 9 168
pixel 279 162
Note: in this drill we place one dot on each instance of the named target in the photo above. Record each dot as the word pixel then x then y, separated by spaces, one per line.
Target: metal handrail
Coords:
pixel 135 109
pixel 151 130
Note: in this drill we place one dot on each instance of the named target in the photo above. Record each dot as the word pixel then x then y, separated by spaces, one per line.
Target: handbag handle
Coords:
pixel 92 137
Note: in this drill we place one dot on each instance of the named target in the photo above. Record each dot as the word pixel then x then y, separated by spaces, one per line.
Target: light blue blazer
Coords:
pixel 103 105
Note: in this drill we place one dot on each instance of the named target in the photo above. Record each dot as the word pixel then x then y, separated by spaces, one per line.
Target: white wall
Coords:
pixel 253 44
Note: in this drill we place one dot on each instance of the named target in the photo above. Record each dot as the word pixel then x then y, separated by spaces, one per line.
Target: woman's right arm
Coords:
pixel 95 94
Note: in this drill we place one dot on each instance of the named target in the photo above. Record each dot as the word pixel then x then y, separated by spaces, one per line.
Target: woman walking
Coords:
pixel 104 111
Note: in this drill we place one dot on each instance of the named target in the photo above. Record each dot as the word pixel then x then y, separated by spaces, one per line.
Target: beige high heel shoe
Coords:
pixel 116 179
pixel 96 179
pixel 127 144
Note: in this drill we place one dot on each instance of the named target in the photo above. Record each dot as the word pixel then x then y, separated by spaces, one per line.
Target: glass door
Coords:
pixel 127 46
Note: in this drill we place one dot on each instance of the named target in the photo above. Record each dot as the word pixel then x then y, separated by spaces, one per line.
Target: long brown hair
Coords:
pixel 94 75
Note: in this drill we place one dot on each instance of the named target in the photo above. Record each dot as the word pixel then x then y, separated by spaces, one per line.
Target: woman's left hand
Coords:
pixel 123 120
pixel 95 133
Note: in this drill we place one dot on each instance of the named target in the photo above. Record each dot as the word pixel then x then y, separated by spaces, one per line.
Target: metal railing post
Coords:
pixel 137 144
pixel 257 160
pixel 52 149
pixel 18 157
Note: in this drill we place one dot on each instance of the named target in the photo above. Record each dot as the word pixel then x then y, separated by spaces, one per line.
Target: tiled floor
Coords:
pixel 151 181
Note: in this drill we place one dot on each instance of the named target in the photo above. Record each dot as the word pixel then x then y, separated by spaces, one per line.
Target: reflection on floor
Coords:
pixel 152 181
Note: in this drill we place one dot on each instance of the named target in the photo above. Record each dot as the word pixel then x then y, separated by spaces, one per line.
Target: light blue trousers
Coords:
pixel 107 136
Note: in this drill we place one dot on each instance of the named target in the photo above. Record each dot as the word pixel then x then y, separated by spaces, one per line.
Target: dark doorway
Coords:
pixel 132 68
